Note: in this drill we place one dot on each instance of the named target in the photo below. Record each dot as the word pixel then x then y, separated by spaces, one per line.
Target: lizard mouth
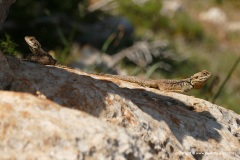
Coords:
pixel 197 84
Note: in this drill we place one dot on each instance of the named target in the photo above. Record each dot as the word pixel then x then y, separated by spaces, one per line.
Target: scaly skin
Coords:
pixel 183 85
pixel 38 54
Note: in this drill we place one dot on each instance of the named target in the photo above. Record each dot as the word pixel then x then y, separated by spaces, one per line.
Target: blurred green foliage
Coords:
pixel 183 24
pixel 143 16
pixel 7 46
pixel 148 17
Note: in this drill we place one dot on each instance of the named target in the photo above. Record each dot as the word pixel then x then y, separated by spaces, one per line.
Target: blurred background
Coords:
pixel 148 38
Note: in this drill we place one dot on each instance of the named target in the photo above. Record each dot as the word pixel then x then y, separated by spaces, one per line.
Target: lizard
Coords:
pixel 38 55
pixel 183 85
pixel 196 81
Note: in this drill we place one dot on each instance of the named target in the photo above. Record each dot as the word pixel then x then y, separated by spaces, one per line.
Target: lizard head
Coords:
pixel 200 78
pixel 34 45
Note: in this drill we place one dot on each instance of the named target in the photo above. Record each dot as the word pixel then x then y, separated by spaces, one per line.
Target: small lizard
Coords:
pixel 196 81
pixel 183 85
pixel 38 54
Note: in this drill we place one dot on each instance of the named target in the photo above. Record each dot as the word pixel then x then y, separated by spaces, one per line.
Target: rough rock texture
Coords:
pixel 37 129
pixel 4 8
pixel 173 126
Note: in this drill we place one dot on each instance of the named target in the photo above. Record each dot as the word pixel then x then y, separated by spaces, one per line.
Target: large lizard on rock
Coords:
pixel 196 81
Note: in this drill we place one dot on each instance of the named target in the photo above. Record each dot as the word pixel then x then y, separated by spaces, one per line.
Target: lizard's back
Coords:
pixel 133 79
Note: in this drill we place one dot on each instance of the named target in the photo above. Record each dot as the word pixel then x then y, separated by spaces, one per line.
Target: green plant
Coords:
pixel 7 46
pixel 184 25
pixel 226 79
pixel 145 15
pixel 66 41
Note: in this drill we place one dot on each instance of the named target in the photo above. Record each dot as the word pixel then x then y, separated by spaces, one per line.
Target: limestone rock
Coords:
pixel 233 26
pixel 32 128
pixel 214 15
pixel 171 8
pixel 172 125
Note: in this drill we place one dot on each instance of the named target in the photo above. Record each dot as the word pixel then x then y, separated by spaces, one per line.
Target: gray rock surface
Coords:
pixel 33 128
pixel 152 124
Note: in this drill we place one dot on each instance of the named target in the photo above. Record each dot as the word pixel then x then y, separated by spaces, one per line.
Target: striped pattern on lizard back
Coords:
pixel 182 85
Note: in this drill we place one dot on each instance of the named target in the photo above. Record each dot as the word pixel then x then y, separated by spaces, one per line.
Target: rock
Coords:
pixel 214 15
pixel 233 26
pixel 218 17
pixel 41 129
pixel 170 8
pixel 152 124
pixel 4 9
